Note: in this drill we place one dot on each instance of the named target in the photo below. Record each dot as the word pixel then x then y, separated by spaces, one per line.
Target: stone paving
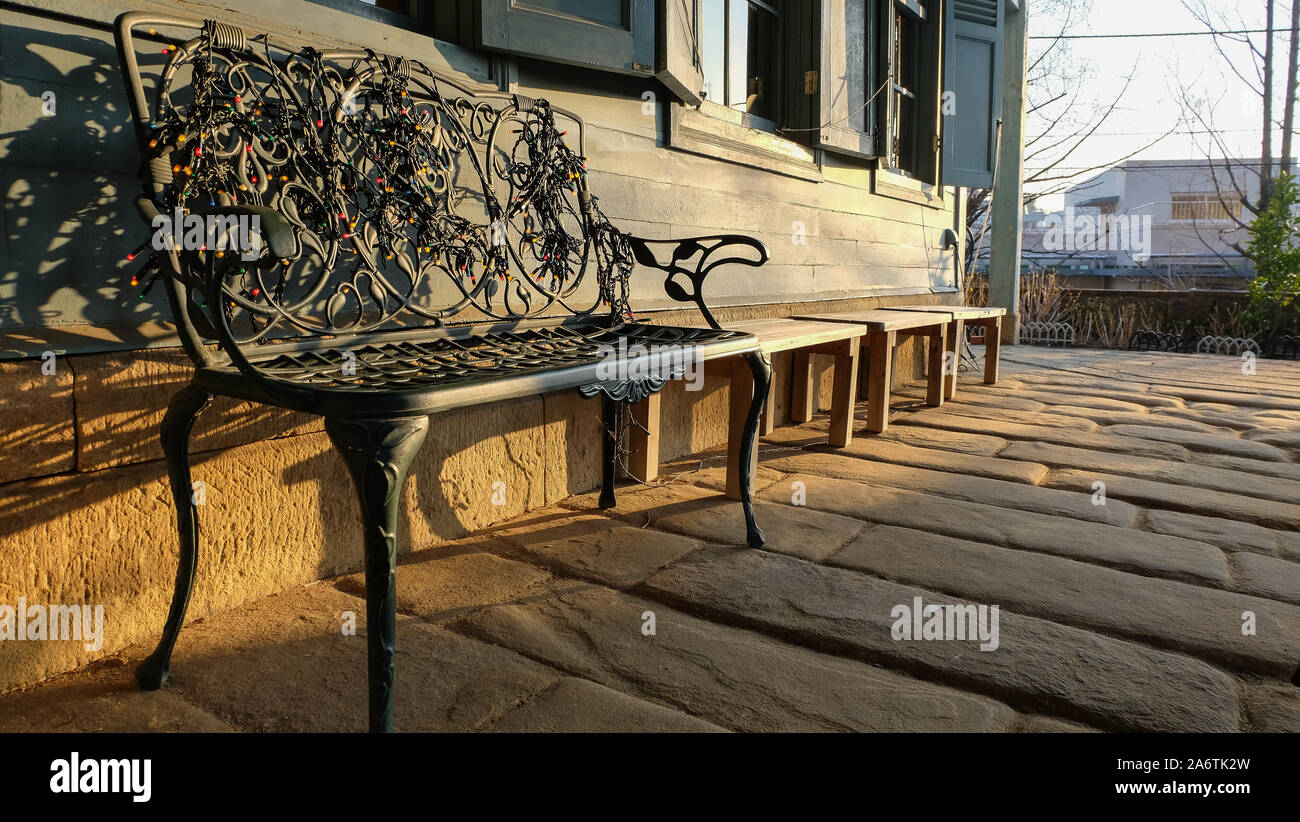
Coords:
pixel 1134 517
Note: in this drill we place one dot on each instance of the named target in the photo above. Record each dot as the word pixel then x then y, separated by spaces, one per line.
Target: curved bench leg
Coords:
pixel 609 458
pixel 183 409
pixel 761 366
pixel 379 454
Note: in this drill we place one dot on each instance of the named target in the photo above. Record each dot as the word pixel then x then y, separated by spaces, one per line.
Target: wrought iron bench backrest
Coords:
pixel 389 195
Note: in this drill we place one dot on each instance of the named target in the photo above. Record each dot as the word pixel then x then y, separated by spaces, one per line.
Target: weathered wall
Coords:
pixel 86 516
pixel 68 180
pixel 85 512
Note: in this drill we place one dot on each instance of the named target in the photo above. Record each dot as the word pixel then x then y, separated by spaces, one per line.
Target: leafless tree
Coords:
pixel 1231 175
pixel 1059 118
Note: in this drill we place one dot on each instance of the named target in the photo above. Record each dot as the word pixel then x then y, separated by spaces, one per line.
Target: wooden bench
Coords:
pixel 423 246
pixel 805 338
pixel 885 329
pixel 963 315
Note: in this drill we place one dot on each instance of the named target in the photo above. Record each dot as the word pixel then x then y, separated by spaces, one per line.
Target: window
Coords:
pixel 741 55
pixel 1200 206
pixel 911 126
pixel 398 6
pixel 404 13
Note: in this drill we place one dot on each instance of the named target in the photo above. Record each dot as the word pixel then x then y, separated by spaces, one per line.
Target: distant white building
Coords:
pixel 1150 224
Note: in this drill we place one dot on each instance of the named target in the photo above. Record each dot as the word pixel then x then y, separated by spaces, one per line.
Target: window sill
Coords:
pixel 886 183
pixel 719 132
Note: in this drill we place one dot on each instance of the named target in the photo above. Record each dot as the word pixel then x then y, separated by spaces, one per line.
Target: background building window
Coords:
pixel 1200 206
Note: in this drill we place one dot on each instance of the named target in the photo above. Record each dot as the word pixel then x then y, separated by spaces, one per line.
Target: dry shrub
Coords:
pixel 976 288
pixel 1107 324
pixel 1043 298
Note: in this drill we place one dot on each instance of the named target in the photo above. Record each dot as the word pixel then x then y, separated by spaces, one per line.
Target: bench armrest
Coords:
pixel 712 251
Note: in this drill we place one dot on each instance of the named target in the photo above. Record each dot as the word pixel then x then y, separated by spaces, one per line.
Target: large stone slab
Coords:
pixel 1121 548
pixel 1272 708
pixel 725 675
pixel 1085 387
pixel 283 664
pixel 936 418
pixel 919 437
pixel 1175 473
pixel 1265 512
pixel 1037 664
pixel 1234 398
pixel 1086 399
pixel 1177 616
pixel 578 706
pixel 960 487
pixel 882 450
pixel 597 548
pixel 1268 577
pixel 1002 400
pixel 102 698
pixel 1284 470
pixel 987 412
pixel 1106 416
pixel 453 579
pixel 707 515
pixel 1197 441
pixel 1228 534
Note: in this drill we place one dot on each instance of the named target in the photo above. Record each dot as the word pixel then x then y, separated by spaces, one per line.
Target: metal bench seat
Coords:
pixel 416 373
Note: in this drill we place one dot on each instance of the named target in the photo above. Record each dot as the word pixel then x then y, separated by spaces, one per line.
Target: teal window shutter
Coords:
pixel 614 35
pixel 972 82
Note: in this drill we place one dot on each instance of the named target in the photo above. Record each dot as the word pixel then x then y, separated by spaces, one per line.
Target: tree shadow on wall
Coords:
pixel 69 182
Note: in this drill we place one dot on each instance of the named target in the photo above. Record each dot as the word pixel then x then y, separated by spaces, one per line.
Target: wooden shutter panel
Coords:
pixel 848 73
pixel 677 49
pixel 615 35
pixel 972 82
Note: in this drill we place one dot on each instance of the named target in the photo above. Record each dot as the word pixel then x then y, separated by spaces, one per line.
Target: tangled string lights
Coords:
pixel 386 174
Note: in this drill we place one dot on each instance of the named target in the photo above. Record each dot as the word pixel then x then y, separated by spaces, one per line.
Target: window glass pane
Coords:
pixel 761 63
pixel 713 49
pixel 905 132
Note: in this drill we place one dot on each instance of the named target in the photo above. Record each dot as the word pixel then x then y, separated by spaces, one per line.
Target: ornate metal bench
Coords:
pixel 424 246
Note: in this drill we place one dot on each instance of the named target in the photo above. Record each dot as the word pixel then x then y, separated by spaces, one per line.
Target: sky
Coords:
pixel 1160 67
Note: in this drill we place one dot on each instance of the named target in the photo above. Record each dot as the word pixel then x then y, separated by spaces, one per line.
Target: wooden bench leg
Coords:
pixel 844 393
pixel 801 387
pixel 176 427
pixel 880 354
pixel 935 382
pixel 742 395
pixel 609 457
pixel 378 454
pixel 992 347
pixel 956 336
pixel 644 458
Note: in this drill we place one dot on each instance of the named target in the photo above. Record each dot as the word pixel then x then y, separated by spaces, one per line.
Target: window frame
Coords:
pixel 1201 201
